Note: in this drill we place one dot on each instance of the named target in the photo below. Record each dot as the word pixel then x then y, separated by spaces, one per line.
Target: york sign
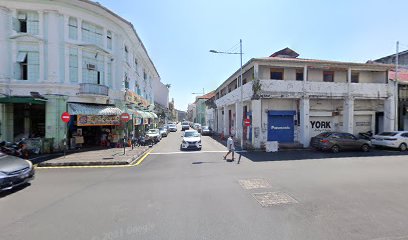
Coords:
pixel 320 124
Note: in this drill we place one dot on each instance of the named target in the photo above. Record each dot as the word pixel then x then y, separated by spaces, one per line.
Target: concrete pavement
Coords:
pixel 197 195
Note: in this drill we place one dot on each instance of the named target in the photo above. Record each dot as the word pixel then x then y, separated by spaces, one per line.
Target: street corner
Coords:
pixel 107 158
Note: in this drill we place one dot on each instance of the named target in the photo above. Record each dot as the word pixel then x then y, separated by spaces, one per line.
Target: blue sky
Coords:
pixel 179 33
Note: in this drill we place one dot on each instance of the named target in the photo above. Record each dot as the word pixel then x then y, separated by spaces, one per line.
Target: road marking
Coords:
pixel 166 153
pixel 191 152
pixel 104 166
pixel 143 158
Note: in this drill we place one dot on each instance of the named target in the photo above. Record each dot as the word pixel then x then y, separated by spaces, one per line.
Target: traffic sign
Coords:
pixel 125 117
pixel 65 117
pixel 247 122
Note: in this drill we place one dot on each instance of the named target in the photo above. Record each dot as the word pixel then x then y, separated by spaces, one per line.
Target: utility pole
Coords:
pixel 396 88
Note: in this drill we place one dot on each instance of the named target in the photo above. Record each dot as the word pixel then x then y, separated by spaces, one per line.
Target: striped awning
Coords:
pixel 89 109
pixel 140 114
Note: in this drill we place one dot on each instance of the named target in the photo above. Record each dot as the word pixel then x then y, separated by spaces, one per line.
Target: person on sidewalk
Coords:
pixel 230 147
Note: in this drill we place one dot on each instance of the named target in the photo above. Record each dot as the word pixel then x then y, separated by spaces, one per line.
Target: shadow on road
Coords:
pixel 14 190
pixel 310 154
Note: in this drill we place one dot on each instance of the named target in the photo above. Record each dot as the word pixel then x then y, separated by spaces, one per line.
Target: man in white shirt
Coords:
pixel 231 147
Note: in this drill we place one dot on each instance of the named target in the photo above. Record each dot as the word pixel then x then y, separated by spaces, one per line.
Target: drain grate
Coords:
pixel 254 183
pixel 269 199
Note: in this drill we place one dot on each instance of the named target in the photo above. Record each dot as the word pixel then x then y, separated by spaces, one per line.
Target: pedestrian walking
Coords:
pixel 230 147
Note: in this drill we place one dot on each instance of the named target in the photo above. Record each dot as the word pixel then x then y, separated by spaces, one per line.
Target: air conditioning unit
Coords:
pixel 91 66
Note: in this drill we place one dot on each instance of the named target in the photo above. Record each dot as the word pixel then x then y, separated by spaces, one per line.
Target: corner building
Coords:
pixel 75 56
pixel 290 99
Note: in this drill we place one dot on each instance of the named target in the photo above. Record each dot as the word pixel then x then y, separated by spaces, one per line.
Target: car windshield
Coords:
pixel 205 127
pixel 191 134
pixel 185 123
pixel 161 129
pixel 324 134
pixel 152 131
pixel 390 134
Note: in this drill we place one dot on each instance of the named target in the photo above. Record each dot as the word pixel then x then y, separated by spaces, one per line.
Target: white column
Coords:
pixel 349 75
pixel 41 25
pixel 256 123
pixel 80 65
pixel 225 121
pixel 348 114
pixel 79 30
pixel 305 73
pixel 66 66
pixel 219 120
pixel 304 122
pixel 389 113
pixel 4 44
pixel 66 28
pixel 105 67
pixel 53 73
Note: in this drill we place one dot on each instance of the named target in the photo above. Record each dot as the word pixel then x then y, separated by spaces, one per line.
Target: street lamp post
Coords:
pixel 242 89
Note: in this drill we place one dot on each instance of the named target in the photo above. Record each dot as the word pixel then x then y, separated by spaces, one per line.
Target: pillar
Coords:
pixel 7 122
pixel 54 127
pixel 238 120
pixel 348 115
pixel 219 120
pixel 389 114
pixel 256 123
pixel 53 71
pixel 225 121
pixel 4 44
pixel 304 122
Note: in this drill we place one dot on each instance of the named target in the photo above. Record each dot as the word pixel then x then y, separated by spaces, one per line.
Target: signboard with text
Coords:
pixel 97 120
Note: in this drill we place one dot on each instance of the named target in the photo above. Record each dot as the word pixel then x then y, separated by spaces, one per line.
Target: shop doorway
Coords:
pixel 28 120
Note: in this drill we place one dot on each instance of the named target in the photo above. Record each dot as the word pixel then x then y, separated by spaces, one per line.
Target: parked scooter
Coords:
pixel 18 149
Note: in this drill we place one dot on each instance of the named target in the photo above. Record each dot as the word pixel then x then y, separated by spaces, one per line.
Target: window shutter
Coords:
pixel 16 24
pixel 17 71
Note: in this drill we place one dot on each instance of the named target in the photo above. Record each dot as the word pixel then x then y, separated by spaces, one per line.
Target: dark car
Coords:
pixel 338 141
pixel 206 130
pixel 14 171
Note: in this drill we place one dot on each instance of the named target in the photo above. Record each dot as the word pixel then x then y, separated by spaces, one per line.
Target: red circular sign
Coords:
pixel 247 122
pixel 65 117
pixel 125 117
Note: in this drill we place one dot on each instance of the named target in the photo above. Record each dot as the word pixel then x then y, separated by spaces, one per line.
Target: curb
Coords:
pixel 128 162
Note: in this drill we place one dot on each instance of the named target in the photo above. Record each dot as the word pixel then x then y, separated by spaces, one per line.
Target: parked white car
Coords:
pixel 191 140
pixel 397 139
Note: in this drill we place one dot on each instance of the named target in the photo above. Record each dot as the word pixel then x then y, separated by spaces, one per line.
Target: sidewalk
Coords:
pixel 112 156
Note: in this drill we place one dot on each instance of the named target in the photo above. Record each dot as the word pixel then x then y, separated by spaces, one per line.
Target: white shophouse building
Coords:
pixel 290 100
pixel 69 55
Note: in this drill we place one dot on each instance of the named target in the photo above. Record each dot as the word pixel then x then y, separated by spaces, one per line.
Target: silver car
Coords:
pixel 14 171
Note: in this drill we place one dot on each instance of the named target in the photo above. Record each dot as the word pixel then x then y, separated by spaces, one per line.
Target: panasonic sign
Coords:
pixel 280 128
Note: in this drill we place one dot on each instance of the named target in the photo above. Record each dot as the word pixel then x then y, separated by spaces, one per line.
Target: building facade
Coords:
pixel 289 99
pixel 75 56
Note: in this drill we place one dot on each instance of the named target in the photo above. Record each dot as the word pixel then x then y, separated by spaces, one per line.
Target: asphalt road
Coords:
pixel 197 195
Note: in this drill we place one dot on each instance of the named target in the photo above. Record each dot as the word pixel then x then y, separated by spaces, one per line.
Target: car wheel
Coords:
pixel 403 147
pixel 365 148
pixel 335 149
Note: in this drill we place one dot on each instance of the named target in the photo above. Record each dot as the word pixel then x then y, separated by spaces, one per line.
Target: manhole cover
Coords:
pixel 254 183
pixel 269 199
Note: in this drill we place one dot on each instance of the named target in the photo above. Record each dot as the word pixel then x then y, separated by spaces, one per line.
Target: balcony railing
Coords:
pixel 292 88
pixel 93 89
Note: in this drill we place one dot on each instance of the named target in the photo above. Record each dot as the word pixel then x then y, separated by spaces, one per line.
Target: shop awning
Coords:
pixel 141 114
pixel 15 99
pixel 89 109
pixel 154 115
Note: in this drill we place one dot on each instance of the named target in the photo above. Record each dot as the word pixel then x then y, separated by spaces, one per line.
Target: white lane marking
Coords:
pixel 164 153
